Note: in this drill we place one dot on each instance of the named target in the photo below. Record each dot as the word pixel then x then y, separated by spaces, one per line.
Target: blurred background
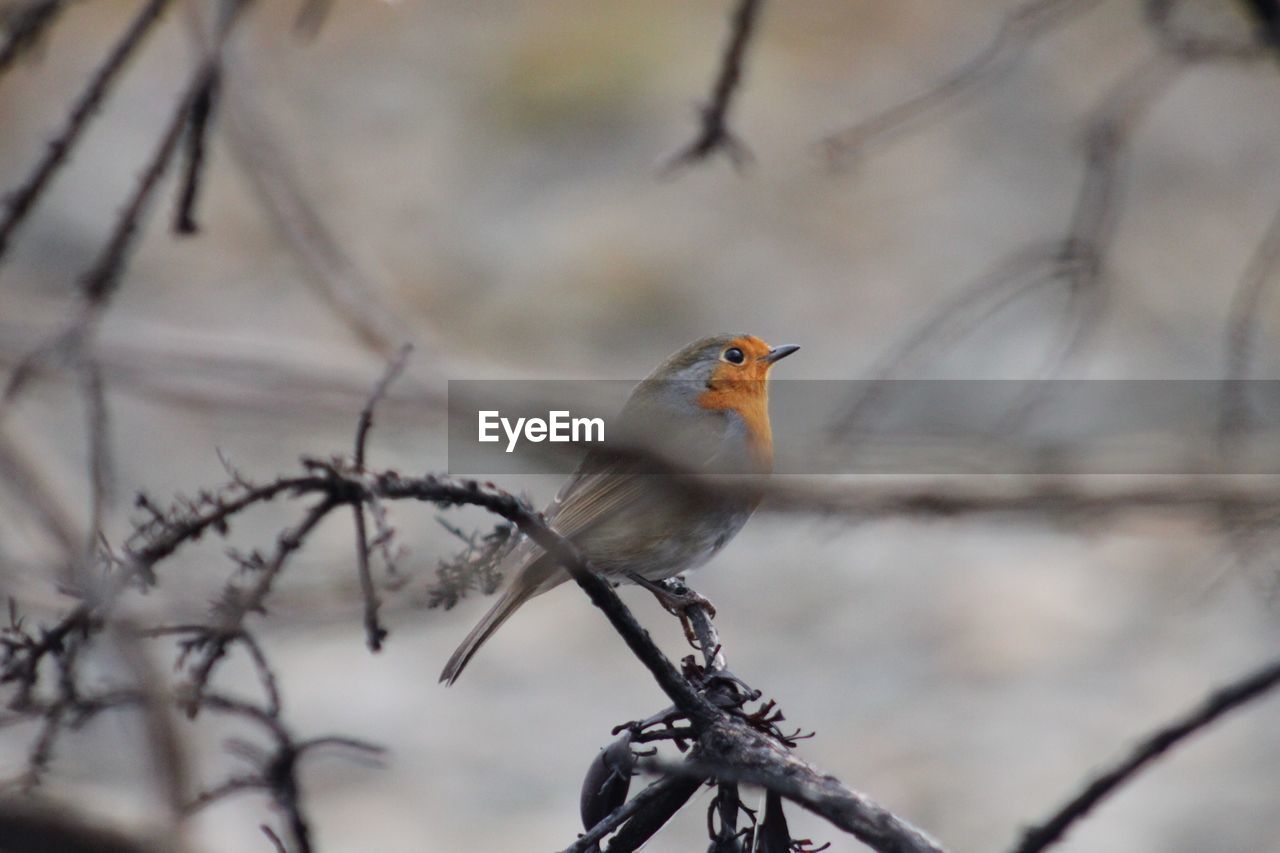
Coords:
pixel 487 180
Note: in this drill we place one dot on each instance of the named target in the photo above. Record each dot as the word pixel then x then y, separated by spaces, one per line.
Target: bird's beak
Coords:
pixel 779 353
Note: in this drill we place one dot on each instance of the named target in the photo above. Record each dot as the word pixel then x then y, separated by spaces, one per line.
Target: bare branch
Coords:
pixel 39 498
pixel 355 298
pixel 1267 15
pixel 394 368
pixel 713 132
pixel 198 132
pixel 1152 747
pixel 375 633
pixel 100 281
pixel 238 604
pixel 101 468
pixel 1022 27
pixel 735 752
pixel 30 828
pixel 1242 326
pixel 21 200
pixel 24 24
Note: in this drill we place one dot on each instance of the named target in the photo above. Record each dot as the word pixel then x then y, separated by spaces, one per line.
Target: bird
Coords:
pixel 704 410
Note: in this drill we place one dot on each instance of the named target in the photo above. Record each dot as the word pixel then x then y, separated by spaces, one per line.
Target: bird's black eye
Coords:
pixel 733 355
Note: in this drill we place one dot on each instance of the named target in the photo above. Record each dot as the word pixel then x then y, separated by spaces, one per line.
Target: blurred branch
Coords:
pixel 1267 15
pixel 214 374
pixel 39 498
pixel 39 828
pixel 1242 325
pixel 19 202
pixel 100 282
pixel 713 131
pixel 199 130
pixel 1021 28
pixel 1049 497
pixel 1216 704
pixel 24 23
pixel 356 299
pixel 101 467
pixel 1193 45
pixel 393 370
pixel 1075 262
pixel 166 750
pixel 665 797
pixel 311 16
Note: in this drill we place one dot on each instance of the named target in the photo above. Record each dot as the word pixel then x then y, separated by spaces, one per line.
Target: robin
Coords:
pixel 706 410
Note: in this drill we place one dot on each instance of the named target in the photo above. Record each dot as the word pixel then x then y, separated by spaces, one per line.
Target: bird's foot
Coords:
pixel 677 599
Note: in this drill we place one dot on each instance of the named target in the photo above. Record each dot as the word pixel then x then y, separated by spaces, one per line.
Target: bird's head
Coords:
pixel 725 375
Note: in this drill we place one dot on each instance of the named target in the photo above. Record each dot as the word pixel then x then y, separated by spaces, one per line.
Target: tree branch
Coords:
pixel 1152 747
pixel 19 202
pixel 713 133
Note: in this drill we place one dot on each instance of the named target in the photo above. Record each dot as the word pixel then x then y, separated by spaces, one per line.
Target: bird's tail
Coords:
pixel 492 621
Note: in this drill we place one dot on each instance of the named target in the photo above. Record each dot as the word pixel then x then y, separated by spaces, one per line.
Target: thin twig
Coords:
pixel 1022 27
pixel 240 604
pixel 375 633
pixel 276 842
pixel 1073 263
pixel 1242 325
pixel 198 132
pixel 101 467
pixel 394 368
pixel 1215 705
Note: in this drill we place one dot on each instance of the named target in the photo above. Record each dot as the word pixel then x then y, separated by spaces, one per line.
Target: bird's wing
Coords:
pixel 598 490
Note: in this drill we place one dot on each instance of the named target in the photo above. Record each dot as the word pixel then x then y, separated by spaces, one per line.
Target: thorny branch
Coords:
pixel 721 724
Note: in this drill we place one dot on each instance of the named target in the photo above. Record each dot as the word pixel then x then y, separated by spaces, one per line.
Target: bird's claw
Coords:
pixel 678 599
